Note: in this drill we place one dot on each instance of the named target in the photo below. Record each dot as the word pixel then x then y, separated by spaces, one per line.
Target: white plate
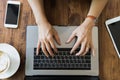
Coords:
pixel 14 60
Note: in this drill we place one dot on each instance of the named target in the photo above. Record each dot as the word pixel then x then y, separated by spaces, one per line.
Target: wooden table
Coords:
pixel 64 12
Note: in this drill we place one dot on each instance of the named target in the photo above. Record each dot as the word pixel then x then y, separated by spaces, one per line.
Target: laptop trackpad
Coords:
pixel 62 78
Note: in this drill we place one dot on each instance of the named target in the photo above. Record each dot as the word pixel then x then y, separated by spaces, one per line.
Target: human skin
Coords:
pixel 47 34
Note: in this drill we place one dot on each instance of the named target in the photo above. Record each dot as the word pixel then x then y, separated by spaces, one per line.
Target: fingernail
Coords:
pixel 47 55
pixel 56 51
pixel 37 53
pixel 60 43
pixel 71 52
pixel 77 54
pixel 66 42
pixel 53 55
pixel 93 55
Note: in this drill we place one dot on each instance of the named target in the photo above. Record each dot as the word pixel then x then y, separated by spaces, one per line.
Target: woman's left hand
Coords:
pixel 84 37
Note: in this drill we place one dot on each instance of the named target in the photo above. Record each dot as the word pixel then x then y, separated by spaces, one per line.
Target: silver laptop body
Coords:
pixel 64 33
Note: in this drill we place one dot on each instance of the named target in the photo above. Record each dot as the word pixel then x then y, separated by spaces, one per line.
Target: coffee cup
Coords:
pixel 4 62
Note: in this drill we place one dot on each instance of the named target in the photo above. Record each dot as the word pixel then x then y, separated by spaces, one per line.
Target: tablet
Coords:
pixel 113 27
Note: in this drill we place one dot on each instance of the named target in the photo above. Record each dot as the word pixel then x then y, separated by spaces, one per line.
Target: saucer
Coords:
pixel 14 60
pixel 4 61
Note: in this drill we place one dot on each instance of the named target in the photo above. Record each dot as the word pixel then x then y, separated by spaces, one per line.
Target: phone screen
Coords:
pixel 115 32
pixel 12 14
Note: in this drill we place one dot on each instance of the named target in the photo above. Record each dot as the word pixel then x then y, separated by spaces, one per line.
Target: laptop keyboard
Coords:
pixel 62 60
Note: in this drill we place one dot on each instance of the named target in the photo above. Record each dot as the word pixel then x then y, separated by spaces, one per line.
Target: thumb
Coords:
pixel 57 39
pixel 70 38
pixel 93 51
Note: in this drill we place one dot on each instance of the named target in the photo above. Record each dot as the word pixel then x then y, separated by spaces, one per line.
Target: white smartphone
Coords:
pixel 12 14
pixel 113 27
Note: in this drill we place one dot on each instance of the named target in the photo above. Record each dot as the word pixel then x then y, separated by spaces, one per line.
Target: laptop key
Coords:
pixel 62 60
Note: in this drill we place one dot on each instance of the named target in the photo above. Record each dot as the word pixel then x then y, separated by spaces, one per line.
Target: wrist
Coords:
pixel 42 21
pixel 89 23
pixel 45 25
pixel 91 18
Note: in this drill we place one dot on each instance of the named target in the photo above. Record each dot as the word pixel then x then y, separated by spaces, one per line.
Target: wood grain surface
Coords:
pixel 64 12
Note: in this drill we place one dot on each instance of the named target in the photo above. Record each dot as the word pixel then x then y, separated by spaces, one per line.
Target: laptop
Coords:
pixel 63 65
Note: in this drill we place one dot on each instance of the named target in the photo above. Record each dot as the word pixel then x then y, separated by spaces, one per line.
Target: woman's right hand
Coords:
pixel 46 36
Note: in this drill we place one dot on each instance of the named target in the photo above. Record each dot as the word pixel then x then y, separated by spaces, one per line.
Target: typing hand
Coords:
pixel 47 34
pixel 84 38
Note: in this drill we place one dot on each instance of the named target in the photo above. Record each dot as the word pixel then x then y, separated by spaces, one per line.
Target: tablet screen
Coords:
pixel 115 32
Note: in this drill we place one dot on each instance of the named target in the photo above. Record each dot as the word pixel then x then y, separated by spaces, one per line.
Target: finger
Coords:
pixel 38 48
pixel 92 49
pixel 77 44
pixel 86 50
pixel 83 45
pixel 48 47
pixel 53 45
pixel 70 38
pixel 57 39
pixel 44 49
